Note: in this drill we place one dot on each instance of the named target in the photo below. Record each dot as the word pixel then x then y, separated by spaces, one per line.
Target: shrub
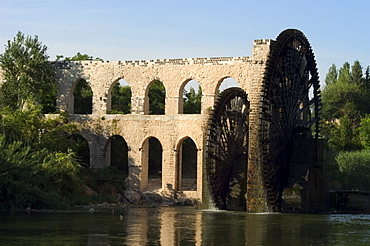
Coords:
pixel 354 170
pixel 36 179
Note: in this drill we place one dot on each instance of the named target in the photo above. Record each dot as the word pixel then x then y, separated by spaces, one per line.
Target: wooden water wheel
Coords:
pixel 227 148
pixel 290 108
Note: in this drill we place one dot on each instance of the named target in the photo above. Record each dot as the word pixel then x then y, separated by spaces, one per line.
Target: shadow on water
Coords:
pixel 181 226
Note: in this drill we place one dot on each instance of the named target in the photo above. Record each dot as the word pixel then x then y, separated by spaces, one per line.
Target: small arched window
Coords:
pixel 82 94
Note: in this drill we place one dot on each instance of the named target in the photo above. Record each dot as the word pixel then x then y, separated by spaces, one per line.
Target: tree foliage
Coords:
pixel 121 99
pixel 345 113
pixel 29 76
pixel 82 98
pixel 367 78
pixel 332 75
pixel 354 170
pixel 356 73
pixel 78 57
pixel 157 97
pixel 33 129
pixel 192 101
pixel 364 132
pixel 344 73
pixel 343 137
pixel 37 167
pixel 346 101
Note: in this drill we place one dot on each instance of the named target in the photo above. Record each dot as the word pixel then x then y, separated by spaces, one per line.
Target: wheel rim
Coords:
pixel 227 148
pixel 290 108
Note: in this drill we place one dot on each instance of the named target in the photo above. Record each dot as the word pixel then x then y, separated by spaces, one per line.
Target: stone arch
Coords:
pixel 80 95
pixel 190 107
pixel 116 153
pixel 187 164
pixel 152 163
pixel 120 101
pixel 224 83
pixel 82 149
pixel 156 105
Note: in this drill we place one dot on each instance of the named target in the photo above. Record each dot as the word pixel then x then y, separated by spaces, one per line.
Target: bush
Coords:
pixel 354 170
pixel 37 167
pixel 36 179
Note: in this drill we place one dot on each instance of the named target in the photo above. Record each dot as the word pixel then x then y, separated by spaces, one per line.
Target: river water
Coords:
pixel 181 226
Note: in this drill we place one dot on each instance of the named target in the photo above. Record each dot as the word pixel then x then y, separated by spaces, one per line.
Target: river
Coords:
pixel 181 226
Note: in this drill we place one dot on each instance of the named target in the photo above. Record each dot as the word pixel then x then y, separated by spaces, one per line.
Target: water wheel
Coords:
pixel 290 108
pixel 227 148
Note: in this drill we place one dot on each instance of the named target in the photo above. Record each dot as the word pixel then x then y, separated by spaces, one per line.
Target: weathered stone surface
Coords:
pixel 170 129
pixel 131 197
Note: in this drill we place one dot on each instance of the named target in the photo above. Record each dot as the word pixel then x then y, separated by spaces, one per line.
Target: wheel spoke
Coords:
pixel 227 144
pixel 290 77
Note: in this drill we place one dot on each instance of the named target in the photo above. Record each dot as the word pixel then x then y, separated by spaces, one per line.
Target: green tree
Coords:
pixel 80 146
pixel 364 132
pixel 192 101
pixel 344 75
pixel 344 99
pixel 332 75
pixel 367 78
pixel 157 97
pixel 82 98
pixel 354 170
pixel 36 179
pixel 29 76
pixel 33 129
pixel 343 137
pixel 347 96
pixel 345 102
pixel 78 57
pixel 356 73
pixel 37 167
pixel 121 99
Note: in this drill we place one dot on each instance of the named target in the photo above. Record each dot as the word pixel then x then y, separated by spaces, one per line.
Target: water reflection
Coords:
pixel 181 226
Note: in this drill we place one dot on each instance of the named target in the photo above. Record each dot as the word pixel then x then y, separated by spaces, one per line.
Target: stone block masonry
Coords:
pixel 172 127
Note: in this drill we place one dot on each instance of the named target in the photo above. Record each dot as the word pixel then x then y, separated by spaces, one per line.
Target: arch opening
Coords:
pixel 187 165
pixel 152 164
pixel 119 98
pixel 82 98
pixel 226 83
pixel 191 98
pixel 117 155
pixel 156 98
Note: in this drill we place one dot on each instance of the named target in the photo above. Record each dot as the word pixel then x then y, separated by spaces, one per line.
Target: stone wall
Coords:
pixel 173 73
pixel 173 127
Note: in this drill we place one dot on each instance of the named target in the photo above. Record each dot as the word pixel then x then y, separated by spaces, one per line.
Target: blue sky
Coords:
pixel 151 29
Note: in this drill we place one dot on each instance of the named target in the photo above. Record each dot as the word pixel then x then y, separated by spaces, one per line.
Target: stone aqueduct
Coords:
pixel 172 127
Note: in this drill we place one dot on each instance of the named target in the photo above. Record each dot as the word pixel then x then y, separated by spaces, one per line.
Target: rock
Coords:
pixel 132 197
pixel 152 197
